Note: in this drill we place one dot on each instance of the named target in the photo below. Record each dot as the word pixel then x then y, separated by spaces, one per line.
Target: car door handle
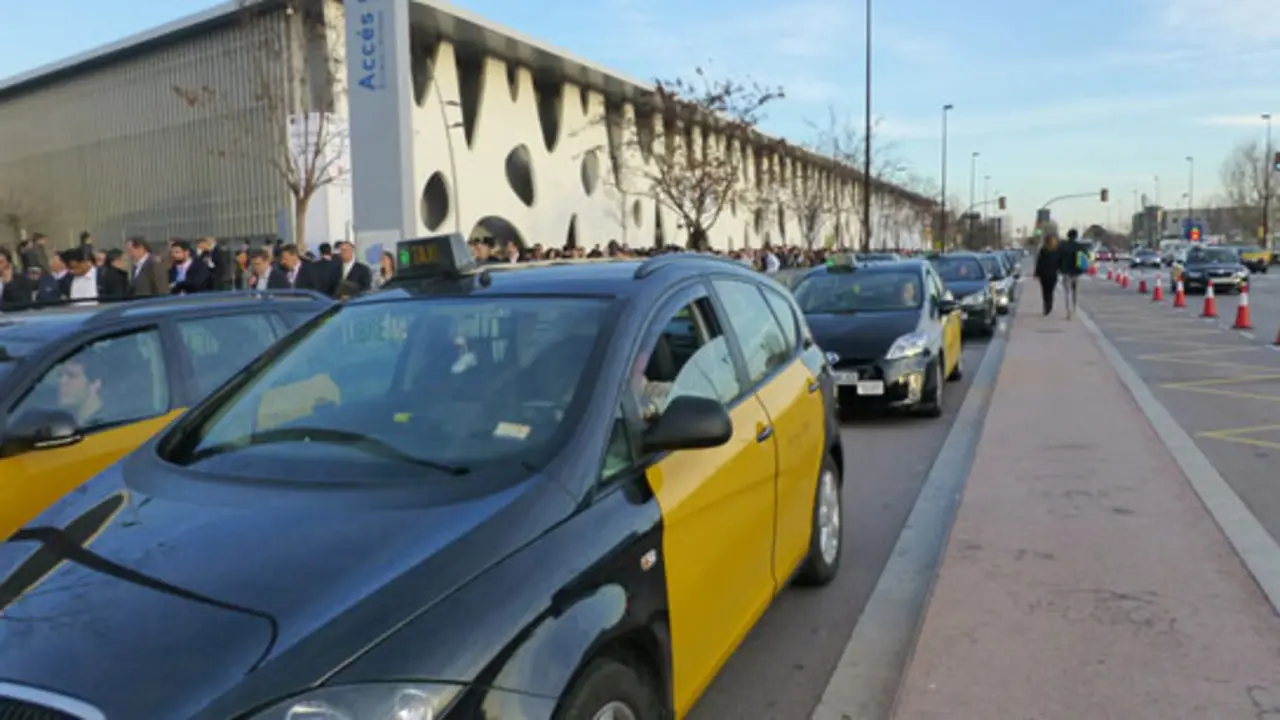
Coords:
pixel 764 433
pixel 815 385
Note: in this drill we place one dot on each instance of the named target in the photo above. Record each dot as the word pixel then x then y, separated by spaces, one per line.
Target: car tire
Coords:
pixel 932 405
pixel 957 373
pixel 609 682
pixel 825 550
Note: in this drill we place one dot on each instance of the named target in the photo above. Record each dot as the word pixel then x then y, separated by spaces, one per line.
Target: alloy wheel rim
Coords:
pixel 615 710
pixel 829 517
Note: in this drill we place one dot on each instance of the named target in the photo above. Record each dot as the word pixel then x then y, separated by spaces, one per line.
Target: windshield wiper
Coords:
pixel 360 441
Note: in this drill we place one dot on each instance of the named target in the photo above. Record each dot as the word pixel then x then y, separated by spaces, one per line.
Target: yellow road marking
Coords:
pixel 1226 393
pixel 1224 381
pixel 1237 435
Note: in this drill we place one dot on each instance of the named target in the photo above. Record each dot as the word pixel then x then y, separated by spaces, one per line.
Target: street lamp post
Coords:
pixel 1267 169
pixel 973 182
pixel 1191 189
pixel 943 205
pixel 866 153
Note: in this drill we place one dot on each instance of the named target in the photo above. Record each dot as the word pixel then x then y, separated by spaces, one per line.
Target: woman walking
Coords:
pixel 1047 270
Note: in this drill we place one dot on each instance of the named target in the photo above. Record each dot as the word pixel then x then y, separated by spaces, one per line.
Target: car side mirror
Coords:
pixel 947 304
pixel 41 430
pixel 688 423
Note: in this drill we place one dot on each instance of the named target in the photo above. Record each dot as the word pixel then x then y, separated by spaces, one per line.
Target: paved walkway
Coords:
pixel 1084 580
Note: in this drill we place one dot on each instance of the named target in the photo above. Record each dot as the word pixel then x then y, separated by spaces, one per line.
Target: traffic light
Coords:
pixel 1276 162
pixel 1003 203
pixel 1194 235
pixel 1106 195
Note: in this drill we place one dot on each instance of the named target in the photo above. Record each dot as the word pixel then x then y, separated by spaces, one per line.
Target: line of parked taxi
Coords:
pixel 549 490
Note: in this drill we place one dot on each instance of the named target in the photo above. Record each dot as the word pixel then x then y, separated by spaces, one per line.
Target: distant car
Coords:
pixel 968 280
pixel 1255 257
pixel 1006 285
pixel 1218 266
pixel 867 258
pixel 891 332
pixel 1106 255
pixel 1146 258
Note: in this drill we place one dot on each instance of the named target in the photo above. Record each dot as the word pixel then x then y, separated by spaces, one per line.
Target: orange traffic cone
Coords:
pixel 1210 303
pixel 1179 295
pixel 1110 275
pixel 1093 270
pixel 1242 310
pixel 1157 294
pixel 1124 280
pixel 1142 285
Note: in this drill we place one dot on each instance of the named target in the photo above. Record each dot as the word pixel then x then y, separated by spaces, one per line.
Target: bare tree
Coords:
pixel 699 171
pixel 22 212
pixel 296 80
pixel 842 139
pixel 1244 185
pixel 811 200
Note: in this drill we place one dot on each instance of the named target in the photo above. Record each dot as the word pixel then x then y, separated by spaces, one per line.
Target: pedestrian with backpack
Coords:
pixel 1073 262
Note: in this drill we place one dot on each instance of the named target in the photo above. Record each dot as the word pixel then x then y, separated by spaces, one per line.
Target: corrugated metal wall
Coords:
pixel 117 151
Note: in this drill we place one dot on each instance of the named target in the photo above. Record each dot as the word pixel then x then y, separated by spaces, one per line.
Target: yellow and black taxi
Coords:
pixel 1255 257
pixel 973 287
pixel 891 332
pixel 544 491
pixel 82 385
pixel 1211 265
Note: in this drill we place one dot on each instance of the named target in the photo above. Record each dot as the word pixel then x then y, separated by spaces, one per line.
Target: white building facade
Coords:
pixel 475 126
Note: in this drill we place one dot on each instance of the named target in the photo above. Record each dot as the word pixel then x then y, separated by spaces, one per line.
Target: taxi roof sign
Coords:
pixel 434 256
pixel 842 261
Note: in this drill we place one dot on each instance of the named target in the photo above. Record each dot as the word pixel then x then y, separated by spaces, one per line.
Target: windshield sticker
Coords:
pixel 512 431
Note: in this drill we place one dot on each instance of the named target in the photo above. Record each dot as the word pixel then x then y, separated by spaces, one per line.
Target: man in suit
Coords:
pixel 150 277
pixel 113 277
pixel 219 261
pixel 330 270
pixel 187 274
pixel 264 274
pixel 353 271
pixel 15 290
pixel 301 275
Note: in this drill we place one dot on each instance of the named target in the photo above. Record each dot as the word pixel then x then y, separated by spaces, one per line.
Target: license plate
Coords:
pixel 870 387
pixel 846 378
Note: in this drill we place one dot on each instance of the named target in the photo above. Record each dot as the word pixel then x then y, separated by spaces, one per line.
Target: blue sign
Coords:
pixel 370 33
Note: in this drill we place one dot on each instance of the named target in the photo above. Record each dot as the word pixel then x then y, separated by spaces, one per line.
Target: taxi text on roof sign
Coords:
pixel 434 256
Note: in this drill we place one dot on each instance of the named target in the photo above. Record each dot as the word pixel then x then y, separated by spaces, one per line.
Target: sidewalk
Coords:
pixel 1084 579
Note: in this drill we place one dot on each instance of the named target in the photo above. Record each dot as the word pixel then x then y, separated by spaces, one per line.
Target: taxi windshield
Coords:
pixel 1212 255
pixel 993 266
pixel 392 389
pixel 835 293
pixel 958 268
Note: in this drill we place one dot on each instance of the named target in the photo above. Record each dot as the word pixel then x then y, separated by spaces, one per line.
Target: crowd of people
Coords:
pixel 35 274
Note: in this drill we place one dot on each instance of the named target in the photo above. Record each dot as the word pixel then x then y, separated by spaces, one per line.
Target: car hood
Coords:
pixel 863 336
pixel 963 288
pixel 166 605
pixel 1202 267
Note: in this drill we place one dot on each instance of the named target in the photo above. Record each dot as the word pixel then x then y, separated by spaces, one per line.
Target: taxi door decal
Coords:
pixel 717 517
pixel 799 420
pixel 33 481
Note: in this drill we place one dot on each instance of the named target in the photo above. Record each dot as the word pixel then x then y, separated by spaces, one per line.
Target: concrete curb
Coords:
pixel 865 683
pixel 1257 549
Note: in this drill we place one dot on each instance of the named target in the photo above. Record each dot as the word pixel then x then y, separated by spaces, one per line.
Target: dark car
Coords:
pixel 109 376
pixel 1217 265
pixel 527 491
pixel 891 331
pixel 1146 258
pixel 973 287
pixel 1005 279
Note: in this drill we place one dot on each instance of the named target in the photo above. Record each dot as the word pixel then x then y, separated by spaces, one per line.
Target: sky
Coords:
pixel 1057 98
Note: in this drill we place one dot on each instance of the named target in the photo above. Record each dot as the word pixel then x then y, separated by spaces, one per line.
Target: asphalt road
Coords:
pixel 1264 302
pixel 1221 385
pixel 783 667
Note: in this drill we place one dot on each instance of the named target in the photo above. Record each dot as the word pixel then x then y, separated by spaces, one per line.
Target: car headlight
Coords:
pixel 974 300
pixel 377 701
pixel 909 345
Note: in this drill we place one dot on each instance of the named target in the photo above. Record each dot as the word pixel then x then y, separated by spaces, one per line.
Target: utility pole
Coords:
pixel 866 167
pixel 1268 167
pixel 986 198
pixel 943 205
pixel 1191 190
pixel 973 182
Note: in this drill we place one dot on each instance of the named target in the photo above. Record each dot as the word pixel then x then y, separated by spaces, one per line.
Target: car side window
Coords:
pixel 220 346
pixel 786 316
pixel 936 290
pixel 619 454
pixel 764 346
pixel 111 381
pixel 689 356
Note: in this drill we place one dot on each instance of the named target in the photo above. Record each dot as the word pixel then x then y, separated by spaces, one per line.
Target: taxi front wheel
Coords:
pixel 826 542
pixel 611 689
